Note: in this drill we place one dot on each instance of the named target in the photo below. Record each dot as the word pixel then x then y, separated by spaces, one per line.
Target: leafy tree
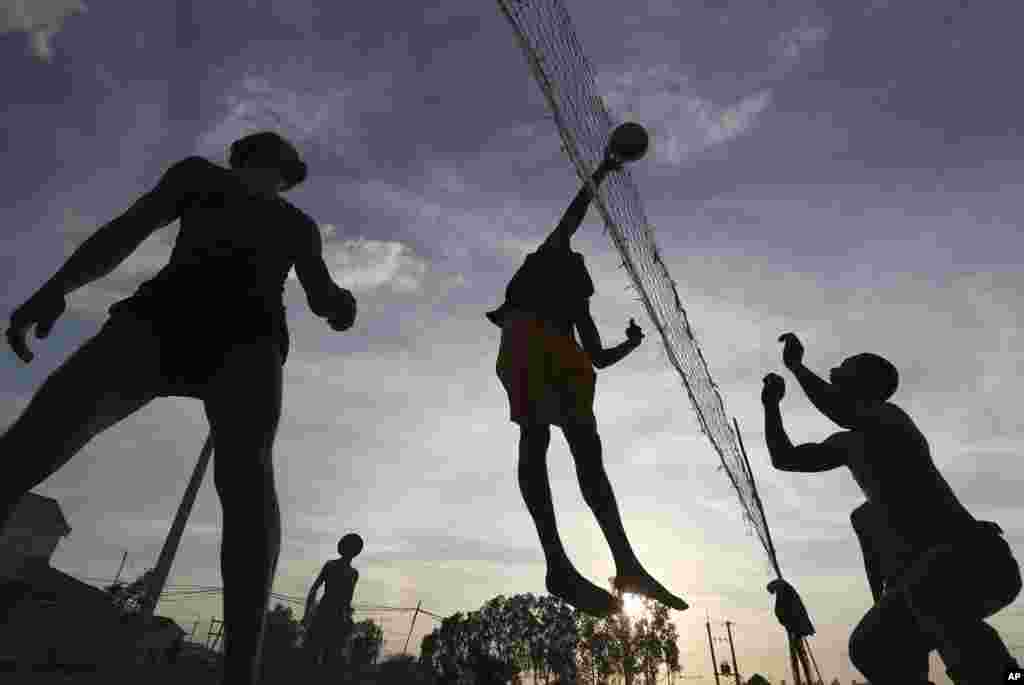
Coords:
pixel 758 679
pixel 367 640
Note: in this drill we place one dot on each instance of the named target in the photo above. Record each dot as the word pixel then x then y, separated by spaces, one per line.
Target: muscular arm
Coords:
pixel 574 214
pixel 591 339
pixel 806 458
pixel 103 251
pixel 311 597
pixel 826 398
pixel 312 271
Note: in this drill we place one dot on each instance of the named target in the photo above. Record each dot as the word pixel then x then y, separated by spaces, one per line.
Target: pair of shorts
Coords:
pixel 971 576
pixel 331 626
pixel 547 377
pixel 195 340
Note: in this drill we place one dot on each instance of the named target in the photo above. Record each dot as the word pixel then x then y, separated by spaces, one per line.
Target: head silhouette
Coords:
pixel 350 545
pixel 267 149
pixel 866 376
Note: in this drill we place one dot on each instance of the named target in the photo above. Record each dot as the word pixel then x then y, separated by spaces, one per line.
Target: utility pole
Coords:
pixel 120 568
pixel 732 650
pixel 170 548
pixel 405 650
pixel 711 644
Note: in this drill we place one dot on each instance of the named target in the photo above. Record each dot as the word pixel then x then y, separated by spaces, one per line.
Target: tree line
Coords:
pixel 508 639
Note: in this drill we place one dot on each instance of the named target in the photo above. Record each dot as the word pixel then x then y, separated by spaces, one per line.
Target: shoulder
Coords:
pixel 882 415
pixel 186 175
pixel 296 213
pixel 191 167
pixel 846 441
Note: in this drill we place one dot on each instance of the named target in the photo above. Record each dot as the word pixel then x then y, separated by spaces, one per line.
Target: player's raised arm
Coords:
pixel 806 458
pixel 574 214
pixel 826 398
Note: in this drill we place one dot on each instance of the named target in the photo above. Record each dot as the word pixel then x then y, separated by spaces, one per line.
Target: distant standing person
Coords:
pixel 957 570
pixel 332 619
pixel 550 381
pixel 210 325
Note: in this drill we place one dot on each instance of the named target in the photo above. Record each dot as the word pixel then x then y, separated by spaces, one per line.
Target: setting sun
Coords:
pixel 633 605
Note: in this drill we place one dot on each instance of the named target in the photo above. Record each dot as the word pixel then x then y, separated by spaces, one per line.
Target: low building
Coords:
pixel 46 615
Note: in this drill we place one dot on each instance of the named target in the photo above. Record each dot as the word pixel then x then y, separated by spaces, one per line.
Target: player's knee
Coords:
pixel 241 482
pixel 866 648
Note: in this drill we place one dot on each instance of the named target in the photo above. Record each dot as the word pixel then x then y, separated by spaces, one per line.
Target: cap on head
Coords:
pixel 350 545
pixel 267 148
pixel 876 377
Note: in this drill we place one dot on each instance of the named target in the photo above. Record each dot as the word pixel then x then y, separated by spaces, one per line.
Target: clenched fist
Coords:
pixel 792 351
pixel 343 310
pixel 42 311
pixel 774 389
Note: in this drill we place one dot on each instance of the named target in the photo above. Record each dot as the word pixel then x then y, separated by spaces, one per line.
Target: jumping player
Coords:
pixel 210 325
pixel 957 571
pixel 550 380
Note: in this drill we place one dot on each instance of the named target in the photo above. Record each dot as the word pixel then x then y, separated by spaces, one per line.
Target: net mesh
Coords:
pixel 546 35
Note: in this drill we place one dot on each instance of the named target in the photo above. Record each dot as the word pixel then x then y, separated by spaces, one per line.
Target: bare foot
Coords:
pixel 638 581
pixel 569 586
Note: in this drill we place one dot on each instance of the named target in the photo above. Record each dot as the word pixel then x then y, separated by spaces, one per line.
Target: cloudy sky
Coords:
pixel 845 170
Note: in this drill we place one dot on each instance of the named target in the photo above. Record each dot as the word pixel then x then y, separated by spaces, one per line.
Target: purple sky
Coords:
pixel 846 170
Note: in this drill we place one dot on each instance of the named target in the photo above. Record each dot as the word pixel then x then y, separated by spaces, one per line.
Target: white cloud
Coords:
pixel 363 264
pixel 800 38
pixel 40 19
pixel 682 122
pixel 292 102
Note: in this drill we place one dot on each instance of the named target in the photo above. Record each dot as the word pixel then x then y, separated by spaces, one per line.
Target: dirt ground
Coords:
pixel 185 672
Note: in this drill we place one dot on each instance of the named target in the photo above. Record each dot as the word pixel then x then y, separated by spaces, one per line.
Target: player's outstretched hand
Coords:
pixel 633 333
pixel 343 310
pixel 42 311
pixel 792 351
pixel 774 389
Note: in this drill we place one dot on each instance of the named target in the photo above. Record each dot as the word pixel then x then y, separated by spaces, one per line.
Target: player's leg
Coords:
pixel 243 404
pixel 951 589
pixel 112 375
pixel 871 645
pixel 562 579
pixel 585 445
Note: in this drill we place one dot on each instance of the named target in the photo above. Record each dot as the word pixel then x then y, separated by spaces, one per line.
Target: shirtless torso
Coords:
pixel 891 461
pixel 339 581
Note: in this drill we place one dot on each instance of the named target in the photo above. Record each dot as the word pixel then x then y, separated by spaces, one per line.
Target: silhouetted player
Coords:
pixel 210 325
pixel 957 570
pixel 332 619
pixel 550 381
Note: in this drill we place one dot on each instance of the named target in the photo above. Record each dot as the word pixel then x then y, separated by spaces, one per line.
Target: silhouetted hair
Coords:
pixel 269 148
pixel 350 545
pixel 877 378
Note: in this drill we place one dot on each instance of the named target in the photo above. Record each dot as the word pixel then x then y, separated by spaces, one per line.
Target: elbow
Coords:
pixel 779 460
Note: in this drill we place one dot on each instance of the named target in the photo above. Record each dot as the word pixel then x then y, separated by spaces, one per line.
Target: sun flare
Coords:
pixel 633 605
